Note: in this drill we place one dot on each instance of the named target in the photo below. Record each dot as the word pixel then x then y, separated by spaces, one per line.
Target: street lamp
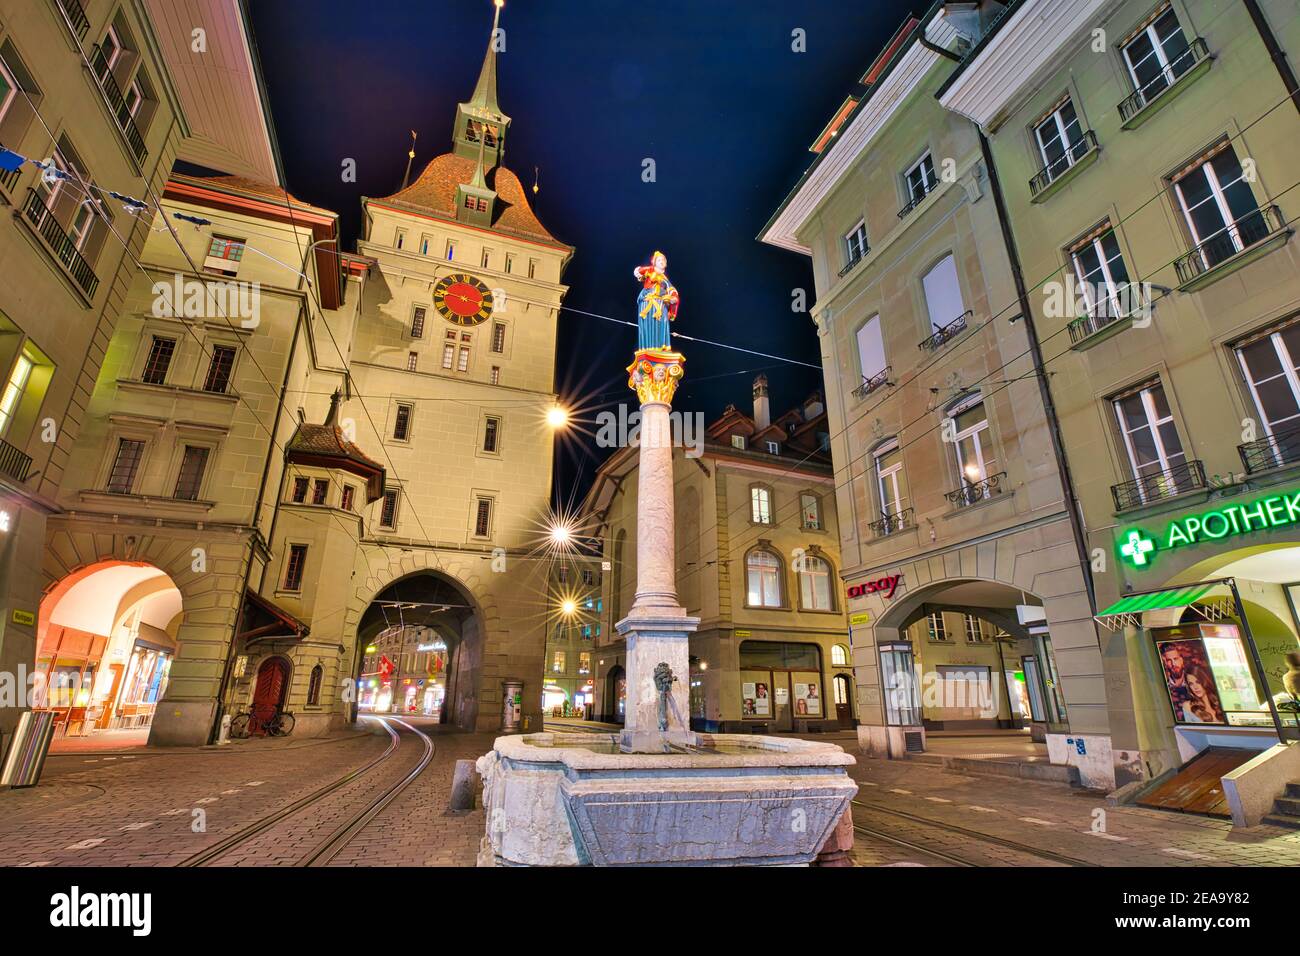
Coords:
pixel 557 417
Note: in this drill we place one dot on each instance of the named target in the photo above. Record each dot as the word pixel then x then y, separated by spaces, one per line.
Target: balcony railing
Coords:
pixel 1139 99
pixel 946 332
pixel 1107 309
pixel 854 261
pixel 1273 451
pixel 1235 237
pixel 892 524
pixel 117 103
pixel 1168 483
pixel 869 385
pixel 973 492
pixel 76 17
pixel 60 243
pixel 917 200
pixel 1053 171
pixel 13 462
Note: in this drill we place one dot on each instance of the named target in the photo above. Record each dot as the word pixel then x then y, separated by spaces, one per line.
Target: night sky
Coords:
pixel 710 90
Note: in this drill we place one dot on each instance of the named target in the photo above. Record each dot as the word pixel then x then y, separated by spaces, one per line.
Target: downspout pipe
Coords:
pixel 1275 51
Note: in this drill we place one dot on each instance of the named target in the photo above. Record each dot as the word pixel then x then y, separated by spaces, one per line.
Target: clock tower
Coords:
pixel 455 341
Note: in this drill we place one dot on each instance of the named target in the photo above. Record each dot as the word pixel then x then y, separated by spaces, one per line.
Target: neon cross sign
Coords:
pixel 1271 511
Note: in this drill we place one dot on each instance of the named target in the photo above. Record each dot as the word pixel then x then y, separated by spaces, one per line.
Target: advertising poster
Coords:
pixel 807 701
pixel 762 702
pixel 1193 691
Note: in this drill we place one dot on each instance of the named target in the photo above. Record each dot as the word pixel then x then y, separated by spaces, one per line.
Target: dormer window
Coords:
pixel 738 441
pixel 773 448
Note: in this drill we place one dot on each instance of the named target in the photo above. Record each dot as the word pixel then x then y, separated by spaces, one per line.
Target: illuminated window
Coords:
pixel 763 573
pixel 815 584
pixel 412 361
pixel 811 507
pixel 314 684
pixel 839 656
pixel 760 502
pixel 14 389
pixel 496 374
pixel 559 660
pixel 498 337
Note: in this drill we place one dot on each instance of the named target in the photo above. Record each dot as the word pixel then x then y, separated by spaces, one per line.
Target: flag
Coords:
pixel 10 161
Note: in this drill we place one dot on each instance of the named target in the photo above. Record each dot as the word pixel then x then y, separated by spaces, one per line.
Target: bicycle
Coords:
pixel 245 724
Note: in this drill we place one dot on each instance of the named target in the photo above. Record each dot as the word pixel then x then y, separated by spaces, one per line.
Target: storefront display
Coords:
pixel 1208 677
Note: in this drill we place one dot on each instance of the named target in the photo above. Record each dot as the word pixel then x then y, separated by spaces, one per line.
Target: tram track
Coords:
pixel 341 836
pixel 1048 855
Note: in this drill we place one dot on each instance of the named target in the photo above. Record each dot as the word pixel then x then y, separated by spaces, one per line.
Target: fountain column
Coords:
pixel 656 629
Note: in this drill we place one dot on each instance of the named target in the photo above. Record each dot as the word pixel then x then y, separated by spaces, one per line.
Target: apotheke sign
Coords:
pixel 1262 514
pixel 886 585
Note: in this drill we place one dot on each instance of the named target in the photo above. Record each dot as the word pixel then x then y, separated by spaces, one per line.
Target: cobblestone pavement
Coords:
pixel 974 812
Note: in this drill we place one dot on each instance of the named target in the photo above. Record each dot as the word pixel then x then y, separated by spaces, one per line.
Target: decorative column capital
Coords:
pixel 654 374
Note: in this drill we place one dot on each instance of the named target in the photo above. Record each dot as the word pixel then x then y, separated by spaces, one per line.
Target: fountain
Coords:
pixel 657 793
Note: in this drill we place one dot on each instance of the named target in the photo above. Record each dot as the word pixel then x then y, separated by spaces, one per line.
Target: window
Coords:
pixel 219 368
pixel 402 422
pixel 349 496
pixel 1060 139
pixel 224 256
pixel 319 490
pixel 971 442
pixel 559 660
pixel 1271 364
pixel 111 48
pixel 763 574
pixel 760 502
pixel 532 268
pixel 1156 55
pixel 451 249
pixel 399 239
pixel 588 577
pixel 190 478
pixel 920 179
pixel 871 349
pixel 491 435
pixel 159 360
pixel 1150 435
pixel 388 512
pixel 8 90
pixel 294 566
pixel 815 584
pixel 773 448
pixel 839 655
pixel 14 389
pixel 974 631
pixel 449 351
pixel 937 631
pixel 584 660
pixel 738 441
pixel 890 480
pixel 943 294
pixel 462 361
pixel 496 374
pixel 300 489
pixel 314 685
pixel 855 243
pixel 483 518
pixel 424 246
pixel 811 508
pixel 1219 207
pixel 1103 277
pixel 487 256
pixel 412 361
pixel 121 478
pixel 417 323
pixel 510 263
pixel 498 337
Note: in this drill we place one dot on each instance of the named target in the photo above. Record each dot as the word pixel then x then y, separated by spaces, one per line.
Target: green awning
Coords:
pixel 1129 610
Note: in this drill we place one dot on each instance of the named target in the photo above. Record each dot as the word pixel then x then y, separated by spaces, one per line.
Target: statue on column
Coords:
pixel 656 305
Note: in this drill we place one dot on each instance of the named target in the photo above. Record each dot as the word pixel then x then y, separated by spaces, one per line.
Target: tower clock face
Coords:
pixel 463 299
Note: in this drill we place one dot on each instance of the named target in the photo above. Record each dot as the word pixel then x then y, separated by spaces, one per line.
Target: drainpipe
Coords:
pixel 1275 51
pixel 1044 389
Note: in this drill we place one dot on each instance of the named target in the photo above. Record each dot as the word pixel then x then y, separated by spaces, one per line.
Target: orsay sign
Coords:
pixel 886 586
pixel 1271 511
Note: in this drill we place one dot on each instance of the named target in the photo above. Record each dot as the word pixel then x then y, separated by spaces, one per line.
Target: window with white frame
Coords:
pixel 810 507
pixel 773 448
pixel 449 350
pixel 974 630
pixel 855 242
pixel 815 584
pixel 760 505
pixel 920 179
pixel 942 290
pixel 1060 139
pixel 1151 441
pixel 1157 55
pixel 1102 276
pixel 972 444
pixel 738 441
pixel 871 349
pixel 891 483
pixel 1219 207
pixel 839 655
pixel 1271 363
pixel 763 577
pixel 936 630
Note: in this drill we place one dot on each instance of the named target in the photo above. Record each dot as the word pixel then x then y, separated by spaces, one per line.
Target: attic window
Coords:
pixel 737 441
pixel 475 204
pixel 224 256
pixel 773 448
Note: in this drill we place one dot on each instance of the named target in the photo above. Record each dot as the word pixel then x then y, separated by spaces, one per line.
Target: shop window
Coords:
pixel 293 567
pixel 760 500
pixel 189 481
pixel 314 685
pixel 839 656
pixel 763 576
pixel 126 464
pixel 159 360
pixel 815 584
pixel 220 366
pixel 1208 676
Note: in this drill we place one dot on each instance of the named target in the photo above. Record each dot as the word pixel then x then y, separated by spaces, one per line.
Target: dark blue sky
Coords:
pixel 710 90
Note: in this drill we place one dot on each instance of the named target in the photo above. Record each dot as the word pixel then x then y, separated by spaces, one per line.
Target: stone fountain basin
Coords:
pixel 739 799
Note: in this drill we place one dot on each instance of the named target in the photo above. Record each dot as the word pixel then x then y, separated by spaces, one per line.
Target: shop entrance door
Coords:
pixel 781 708
pixel 272 682
pixel 843 706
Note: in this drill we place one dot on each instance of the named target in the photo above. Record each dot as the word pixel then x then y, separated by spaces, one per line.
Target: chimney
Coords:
pixel 762 410
pixel 813 406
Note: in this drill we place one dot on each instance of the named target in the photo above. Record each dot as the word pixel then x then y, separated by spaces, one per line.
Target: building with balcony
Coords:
pixel 965 580
pixel 1146 154
pixel 758 561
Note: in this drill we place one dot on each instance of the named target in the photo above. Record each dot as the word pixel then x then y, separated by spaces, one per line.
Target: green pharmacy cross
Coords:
pixel 1137 547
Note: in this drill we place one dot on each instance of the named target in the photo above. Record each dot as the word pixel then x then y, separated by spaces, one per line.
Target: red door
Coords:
pixel 272 681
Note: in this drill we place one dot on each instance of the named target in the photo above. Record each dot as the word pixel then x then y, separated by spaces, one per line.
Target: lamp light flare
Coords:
pixel 569 607
pixel 557 416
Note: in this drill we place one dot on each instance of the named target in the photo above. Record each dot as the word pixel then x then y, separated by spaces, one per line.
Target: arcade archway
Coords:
pixel 106 639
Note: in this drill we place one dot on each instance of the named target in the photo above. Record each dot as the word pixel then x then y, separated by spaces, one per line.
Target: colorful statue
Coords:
pixel 656 305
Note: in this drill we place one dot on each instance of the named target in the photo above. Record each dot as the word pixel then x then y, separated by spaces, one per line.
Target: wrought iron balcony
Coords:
pixel 1238 236
pixel 13 462
pixel 1273 451
pixel 854 261
pixel 892 524
pixel 1168 483
pixel 60 243
pixel 1053 171
pixel 117 103
pixel 1107 310
pixel 76 17
pixel 1139 99
pixel 944 333
pixel 972 492
pixel 869 385
pixel 917 200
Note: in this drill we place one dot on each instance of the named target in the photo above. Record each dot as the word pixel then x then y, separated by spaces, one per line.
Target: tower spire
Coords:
pixel 480 117
pixel 485 92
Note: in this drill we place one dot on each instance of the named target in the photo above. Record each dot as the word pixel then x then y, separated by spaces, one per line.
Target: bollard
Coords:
pixel 223 737
pixel 464 784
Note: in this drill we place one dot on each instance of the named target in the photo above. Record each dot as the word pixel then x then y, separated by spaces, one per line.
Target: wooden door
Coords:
pixel 843 700
pixel 268 697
